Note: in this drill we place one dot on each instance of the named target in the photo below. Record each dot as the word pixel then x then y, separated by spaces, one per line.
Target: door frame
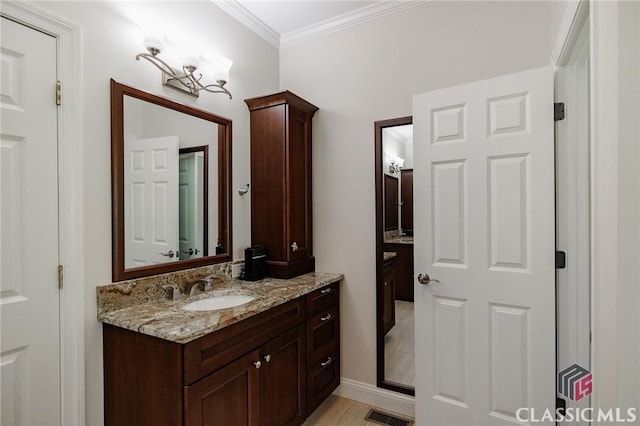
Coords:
pixel 70 200
pixel 380 380
pixel 573 285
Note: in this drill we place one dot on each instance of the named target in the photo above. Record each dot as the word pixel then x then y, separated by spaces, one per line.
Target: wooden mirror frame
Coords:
pixel 118 271
pixel 381 382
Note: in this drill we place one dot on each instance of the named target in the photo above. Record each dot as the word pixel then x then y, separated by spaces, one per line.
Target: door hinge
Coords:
pixel 561 406
pixel 561 259
pixel 558 111
pixel 58 93
pixel 60 277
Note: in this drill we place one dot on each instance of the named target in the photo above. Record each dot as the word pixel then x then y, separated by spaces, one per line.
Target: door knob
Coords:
pixel 294 246
pixel 267 358
pixel 169 254
pixel 257 364
pixel 425 279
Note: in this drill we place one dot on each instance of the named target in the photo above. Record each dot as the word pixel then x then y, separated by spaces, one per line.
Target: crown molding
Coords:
pixel 346 20
pixel 249 20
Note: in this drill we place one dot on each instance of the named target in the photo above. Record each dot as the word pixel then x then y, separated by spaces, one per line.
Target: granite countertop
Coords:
pixel 389 255
pixel 405 239
pixel 165 319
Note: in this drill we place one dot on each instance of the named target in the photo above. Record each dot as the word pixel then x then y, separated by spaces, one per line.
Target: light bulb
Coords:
pixel 153 43
pixel 220 68
pixel 191 61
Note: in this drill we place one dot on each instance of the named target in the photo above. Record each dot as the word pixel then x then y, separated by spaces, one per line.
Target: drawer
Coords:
pixel 389 265
pixel 322 379
pixel 215 350
pixel 323 335
pixel 322 299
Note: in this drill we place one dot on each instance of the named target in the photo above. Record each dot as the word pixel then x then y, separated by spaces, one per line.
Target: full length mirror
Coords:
pixel 394 254
pixel 171 168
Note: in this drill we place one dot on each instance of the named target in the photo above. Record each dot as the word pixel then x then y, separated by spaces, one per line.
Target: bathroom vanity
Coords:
pixel 403 247
pixel 389 291
pixel 271 361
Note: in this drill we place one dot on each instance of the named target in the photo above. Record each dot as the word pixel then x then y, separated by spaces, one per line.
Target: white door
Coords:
pixel 29 299
pixel 151 201
pixel 191 199
pixel 484 227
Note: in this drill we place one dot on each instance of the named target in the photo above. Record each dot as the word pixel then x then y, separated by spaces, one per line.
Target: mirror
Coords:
pixel 394 254
pixel 171 178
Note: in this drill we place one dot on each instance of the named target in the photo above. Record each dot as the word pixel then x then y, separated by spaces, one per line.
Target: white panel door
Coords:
pixel 191 228
pixel 29 299
pixel 484 227
pixel 151 201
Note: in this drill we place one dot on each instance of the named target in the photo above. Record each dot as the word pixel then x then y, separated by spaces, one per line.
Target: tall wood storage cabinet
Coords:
pixel 281 218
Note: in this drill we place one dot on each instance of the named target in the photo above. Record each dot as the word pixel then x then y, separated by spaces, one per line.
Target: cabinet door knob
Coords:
pixel 326 290
pixel 267 358
pixel 294 246
pixel 327 362
pixel 328 317
pixel 258 364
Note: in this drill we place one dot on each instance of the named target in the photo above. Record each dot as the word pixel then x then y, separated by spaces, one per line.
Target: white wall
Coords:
pixel 391 147
pixel 111 38
pixel 558 10
pixel 368 73
pixel 615 27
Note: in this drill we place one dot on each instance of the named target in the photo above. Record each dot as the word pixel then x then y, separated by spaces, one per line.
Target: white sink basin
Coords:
pixel 218 302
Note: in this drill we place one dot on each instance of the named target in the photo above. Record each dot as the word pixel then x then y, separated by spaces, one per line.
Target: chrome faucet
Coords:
pixel 193 287
pixel 175 295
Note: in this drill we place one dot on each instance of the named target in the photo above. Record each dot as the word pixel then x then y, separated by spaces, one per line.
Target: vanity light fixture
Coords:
pixel 395 165
pixel 187 80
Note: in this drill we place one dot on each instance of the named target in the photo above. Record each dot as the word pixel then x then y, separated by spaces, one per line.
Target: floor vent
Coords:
pixel 379 417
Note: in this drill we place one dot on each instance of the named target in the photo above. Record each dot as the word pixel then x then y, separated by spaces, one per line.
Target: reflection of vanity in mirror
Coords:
pixel 171 167
pixel 394 254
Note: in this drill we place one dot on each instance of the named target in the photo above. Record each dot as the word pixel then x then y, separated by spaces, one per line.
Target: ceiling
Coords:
pixel 285 23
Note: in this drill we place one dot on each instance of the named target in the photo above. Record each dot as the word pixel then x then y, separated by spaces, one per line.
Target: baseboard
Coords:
pixel 377 397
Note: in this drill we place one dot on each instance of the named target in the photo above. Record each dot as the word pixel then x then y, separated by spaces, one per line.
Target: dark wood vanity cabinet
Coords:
pixel 323 344
pixel 403 269
pixel 269 369
pixel 229 396
pixel 265 387
pixel 389 301
pixel 406 216
pixel 281 218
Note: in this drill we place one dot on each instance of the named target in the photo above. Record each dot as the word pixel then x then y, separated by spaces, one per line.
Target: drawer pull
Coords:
pixel 326 290
pixel 267 358
pixel 328 317
pixel 327 362
pixel 258 364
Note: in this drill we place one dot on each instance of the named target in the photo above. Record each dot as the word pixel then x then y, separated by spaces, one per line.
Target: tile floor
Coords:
pixel 399 347
pixel 337 411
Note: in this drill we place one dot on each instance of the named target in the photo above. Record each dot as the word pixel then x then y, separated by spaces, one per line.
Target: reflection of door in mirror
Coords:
pixel 193 223
pixel 193 209
pixel 168 221
pixel 151 170
pixel 394 254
